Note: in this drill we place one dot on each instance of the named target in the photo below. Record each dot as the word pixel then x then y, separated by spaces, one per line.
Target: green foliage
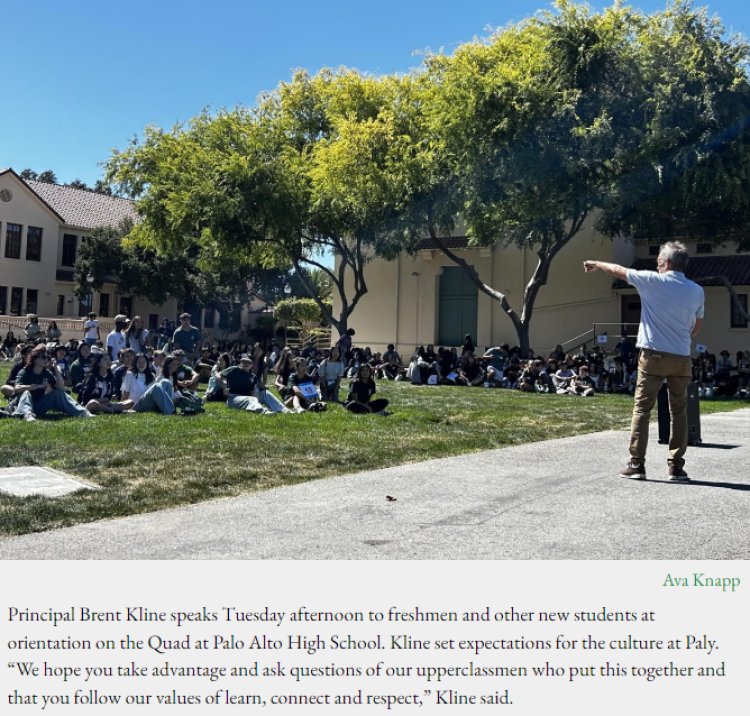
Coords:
pixel 523 136
pixel 693 167
pixel 304 312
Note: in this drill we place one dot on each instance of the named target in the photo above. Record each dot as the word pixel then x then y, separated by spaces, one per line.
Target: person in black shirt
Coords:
pixel 245 392
pixel 361 392
pixel 99 388
pixel 40 388
pixel 8 390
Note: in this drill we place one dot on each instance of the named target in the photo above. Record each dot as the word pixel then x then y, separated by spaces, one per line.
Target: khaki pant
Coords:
pixel 653 369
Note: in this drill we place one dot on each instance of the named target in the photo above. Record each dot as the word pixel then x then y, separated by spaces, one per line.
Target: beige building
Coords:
pixel 423 299
pixel 41 228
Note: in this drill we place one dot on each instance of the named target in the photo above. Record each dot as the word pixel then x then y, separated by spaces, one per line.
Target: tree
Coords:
pixel 694 169
pixel 47 177
pixel 303 312
pixel 105 257
pixel 529 134
pixel 300 177
pixel 523 134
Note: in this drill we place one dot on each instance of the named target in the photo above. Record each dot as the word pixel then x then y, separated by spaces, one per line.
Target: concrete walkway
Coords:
pixel 560 499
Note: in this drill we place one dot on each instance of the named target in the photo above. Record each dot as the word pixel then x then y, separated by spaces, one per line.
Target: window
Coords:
pixel 126 306
pixel 60 305
pixel 104 304
pixel 13 241
pixel 208 318
pixel 737 319
pixel 85 304
pixel 69 249
pixel 3 298
pixel 34 243
pixel 236 318
pixel 653 250
pixel 32 298
pixel 16 301
pixel 704 248
pixel 153 321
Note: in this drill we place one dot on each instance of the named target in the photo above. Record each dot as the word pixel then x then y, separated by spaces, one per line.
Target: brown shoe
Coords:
pixel 677 474
pixel 634 471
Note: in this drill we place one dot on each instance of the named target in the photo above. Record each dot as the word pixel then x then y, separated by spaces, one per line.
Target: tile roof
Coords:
pixel 735 268
pixel 84 209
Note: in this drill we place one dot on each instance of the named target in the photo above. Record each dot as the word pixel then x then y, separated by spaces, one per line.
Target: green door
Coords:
pixel 457 308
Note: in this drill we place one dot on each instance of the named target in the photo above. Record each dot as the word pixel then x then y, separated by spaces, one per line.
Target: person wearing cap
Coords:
pixel 242 390
pixel 187 338
pixel 116 339
pixel 91 332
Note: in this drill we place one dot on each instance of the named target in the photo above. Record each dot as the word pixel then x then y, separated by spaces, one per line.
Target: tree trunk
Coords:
pixel 546 253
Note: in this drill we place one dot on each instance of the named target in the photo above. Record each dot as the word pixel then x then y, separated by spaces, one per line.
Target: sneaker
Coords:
pixel 29 417
pixel 677 474
pixel 634 471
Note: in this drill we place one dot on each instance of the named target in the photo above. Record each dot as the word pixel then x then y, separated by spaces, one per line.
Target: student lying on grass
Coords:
pixel 244 392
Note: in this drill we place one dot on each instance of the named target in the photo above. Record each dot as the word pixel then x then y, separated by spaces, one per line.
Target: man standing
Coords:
pixel 116 340
pixel 187 338
pixel 671 314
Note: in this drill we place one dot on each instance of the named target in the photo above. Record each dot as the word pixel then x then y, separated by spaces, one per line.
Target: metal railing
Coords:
pixel 70 327
pixel 601 334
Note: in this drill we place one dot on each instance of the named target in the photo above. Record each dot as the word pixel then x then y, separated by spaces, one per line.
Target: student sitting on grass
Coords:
pixel 304 393
pixel 330 372
pixel 137 379
pixel 187 378
pixel 283 369
pixel 98 393
pixel 582 384
pixel 260 365
pixel 470 373
pixel 80 367
pixel 361 391
pixel 8 349
pixel 21 359
pixel 33 331
pixel 120 369
pixel 215 391
pixel 161 394
pixel 563 376
pixel 40 388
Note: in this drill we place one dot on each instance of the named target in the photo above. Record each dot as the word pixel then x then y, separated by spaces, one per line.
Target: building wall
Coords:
pixel 401 305
pixel 26 209
pixel 402 302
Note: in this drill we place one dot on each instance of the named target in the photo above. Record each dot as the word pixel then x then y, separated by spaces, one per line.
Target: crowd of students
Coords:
pixel 132 371
pixel 125 373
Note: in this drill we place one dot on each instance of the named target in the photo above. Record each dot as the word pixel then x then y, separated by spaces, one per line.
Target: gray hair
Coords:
pixel 676 253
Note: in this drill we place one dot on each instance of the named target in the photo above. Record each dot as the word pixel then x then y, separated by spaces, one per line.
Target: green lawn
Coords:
pixel 146 462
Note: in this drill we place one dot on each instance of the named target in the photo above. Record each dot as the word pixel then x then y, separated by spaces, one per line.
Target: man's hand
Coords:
pixel 589 266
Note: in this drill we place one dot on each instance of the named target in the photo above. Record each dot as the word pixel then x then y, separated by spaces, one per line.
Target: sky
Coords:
pixel 82 77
